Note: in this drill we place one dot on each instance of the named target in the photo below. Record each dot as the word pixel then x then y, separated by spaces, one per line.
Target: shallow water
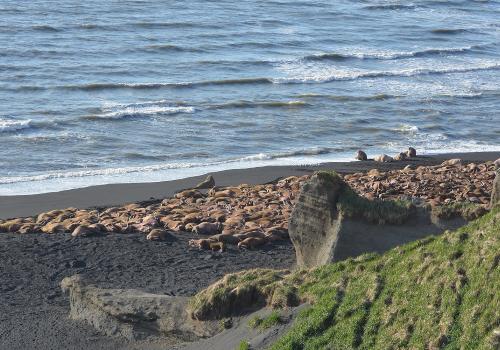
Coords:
pixel 126 91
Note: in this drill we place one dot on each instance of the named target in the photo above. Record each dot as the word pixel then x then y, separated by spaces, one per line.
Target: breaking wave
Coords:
pixel 8 125
pixel 298 73
pixel 367 53
pixel 159 167
pixel 142 109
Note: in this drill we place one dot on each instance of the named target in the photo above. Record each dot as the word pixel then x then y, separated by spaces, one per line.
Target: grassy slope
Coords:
pixel 440 292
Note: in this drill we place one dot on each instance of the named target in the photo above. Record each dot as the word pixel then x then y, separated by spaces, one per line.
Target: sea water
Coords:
pixel 95 92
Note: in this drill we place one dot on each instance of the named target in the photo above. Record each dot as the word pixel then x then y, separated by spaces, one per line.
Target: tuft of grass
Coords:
pixel 236 293
pixel 244 345
pixel 466 210
pixel 271 320
pixel 438 292
pixel 351 205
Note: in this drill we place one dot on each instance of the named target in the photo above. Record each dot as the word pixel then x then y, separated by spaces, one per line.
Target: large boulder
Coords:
pixel 315 221
pixel 132 314
pixel 330 222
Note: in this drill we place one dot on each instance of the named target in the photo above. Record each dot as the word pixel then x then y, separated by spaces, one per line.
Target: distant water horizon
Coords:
pixel 132 91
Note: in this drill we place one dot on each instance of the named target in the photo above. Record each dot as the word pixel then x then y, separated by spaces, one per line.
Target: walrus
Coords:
pixel 188 194
pixel 383 158
pixel 207 228
pixel 252 242
pixel 191 218
pixel 83 231
pixel 28 228
pixel 360 155
pixel 157 235
pixel 225 238
pixel 217 246
pixel 452 162
pixel 200 243
pixel 206 184
pixel 249 234
pixel 412 152
pixel 52 228
pixel 401 156
pixel 11 225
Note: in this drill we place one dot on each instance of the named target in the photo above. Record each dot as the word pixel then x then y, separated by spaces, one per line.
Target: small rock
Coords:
pixel 77 264
pixel 361 155
pixel 208 183
pixel 474 200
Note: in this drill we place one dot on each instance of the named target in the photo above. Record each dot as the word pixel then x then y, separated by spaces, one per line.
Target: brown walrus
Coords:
pixel 157 235
pixel 401 156
pixel 360 155
pixel 207 228
pixel 203 243
pixel 412 152
pixel 252 242
pixel 383 158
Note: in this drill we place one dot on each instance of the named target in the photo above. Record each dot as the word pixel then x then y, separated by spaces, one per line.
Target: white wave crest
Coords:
pixel 305 72
pixel 140 110
pixel 159 167
pixel 367 52
pixel 8 125
pixel 407 128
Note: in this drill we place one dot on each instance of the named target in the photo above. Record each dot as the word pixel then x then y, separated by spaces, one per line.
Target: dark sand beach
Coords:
pixel 34 312
pixel 116 194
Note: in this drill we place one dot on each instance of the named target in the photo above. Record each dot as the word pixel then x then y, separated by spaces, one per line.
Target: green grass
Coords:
pixel 244 345
pixel 436 293
pixel 466 210
pixel 238 292
pixel 273 319
pixel 351 205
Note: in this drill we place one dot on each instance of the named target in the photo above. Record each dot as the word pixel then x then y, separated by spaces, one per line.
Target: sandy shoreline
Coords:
pixel 117 194
pixel 33 311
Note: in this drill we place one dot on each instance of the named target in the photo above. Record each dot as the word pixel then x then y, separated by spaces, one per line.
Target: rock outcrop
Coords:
pixel 495 193
pixel 331 222
pixel 132 314
pixel 208 183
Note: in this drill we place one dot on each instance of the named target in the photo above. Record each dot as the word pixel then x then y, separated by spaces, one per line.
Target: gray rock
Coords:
pixel 132 314
pixel 208 183
pixel 322 232
pixel 495 194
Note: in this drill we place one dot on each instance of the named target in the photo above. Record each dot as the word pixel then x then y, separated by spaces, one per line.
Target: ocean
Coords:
pixel 95 92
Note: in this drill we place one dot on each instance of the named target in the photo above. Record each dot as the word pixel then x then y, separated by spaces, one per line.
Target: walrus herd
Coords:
pixel 252 216
pixel 384 158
